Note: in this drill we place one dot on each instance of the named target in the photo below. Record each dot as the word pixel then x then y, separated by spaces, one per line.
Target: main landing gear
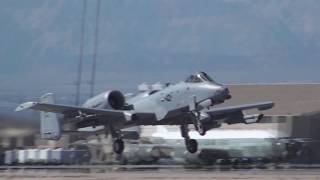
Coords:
pixel 191 144
pixel 118 144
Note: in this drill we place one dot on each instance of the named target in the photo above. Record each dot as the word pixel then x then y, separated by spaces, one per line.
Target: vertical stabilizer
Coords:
pixel 50 127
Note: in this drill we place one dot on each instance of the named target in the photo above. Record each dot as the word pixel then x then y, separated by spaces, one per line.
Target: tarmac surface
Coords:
pixel 153 172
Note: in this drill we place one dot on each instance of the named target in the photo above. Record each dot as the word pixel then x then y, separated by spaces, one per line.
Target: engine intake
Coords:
pixel 107 100
pixel 115 99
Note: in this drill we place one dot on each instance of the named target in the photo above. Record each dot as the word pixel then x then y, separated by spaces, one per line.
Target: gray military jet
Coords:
pixel 184 103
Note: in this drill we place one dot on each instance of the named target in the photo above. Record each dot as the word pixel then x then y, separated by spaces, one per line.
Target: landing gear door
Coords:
pixel 192 102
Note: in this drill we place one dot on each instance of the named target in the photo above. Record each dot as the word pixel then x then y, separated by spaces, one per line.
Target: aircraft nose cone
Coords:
pixel 226 93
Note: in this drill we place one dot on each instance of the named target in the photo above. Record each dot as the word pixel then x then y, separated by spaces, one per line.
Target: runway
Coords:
pixel 152 172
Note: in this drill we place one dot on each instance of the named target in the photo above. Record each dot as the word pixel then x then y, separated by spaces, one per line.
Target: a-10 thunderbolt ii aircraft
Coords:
pixel 184 103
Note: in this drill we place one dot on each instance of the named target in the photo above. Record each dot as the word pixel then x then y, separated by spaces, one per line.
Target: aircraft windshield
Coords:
pixel 200 77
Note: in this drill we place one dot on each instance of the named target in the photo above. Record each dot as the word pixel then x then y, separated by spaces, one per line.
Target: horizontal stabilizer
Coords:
pixel 26 105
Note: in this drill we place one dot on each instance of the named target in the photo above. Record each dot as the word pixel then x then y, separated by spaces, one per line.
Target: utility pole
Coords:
pixel 95 49
pixel 83 22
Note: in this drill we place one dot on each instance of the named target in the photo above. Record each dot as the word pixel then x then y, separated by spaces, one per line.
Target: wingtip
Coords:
pixel 272 104
pixel 268 105
pixel 24 106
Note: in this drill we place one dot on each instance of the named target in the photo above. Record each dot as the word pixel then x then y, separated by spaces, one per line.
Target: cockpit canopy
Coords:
pixel 200 77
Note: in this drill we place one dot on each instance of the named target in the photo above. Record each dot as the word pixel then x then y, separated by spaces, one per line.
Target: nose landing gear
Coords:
pixel 191 145
pixel 198 124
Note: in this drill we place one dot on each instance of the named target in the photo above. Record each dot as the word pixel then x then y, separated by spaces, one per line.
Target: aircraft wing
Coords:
pixel 239 108
pixel 234 114
pixel 76 110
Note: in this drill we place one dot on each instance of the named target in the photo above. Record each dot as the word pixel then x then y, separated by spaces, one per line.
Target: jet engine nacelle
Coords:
pixel 107 100
pixel 113 100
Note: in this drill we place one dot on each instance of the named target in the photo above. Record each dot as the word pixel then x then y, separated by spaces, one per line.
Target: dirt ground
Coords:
pixel 154 174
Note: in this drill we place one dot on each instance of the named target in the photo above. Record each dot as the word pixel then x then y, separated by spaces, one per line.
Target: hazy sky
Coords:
pixel 235 41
